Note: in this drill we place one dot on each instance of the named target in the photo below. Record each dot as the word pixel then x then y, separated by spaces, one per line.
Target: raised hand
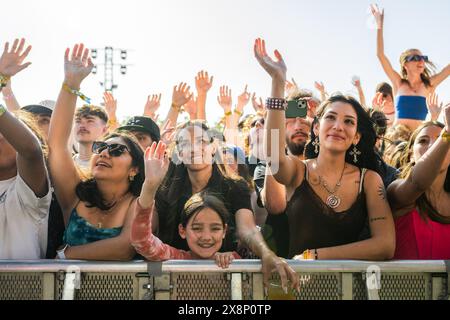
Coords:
pixel 181 95
pixel 275 68
pixel 243 99
pixel 202 82
pixel 191 108
pixel 258 106
pixel 110 105
pixel 356 82
pixel 78 67
pixel 156 165
pixel 224 99
pixel 291 86
pixel 378 14
pixel 378 102
pixel 434 106
pixel 167 133
pixel 152 105
pixel 319 86
pixel 11 61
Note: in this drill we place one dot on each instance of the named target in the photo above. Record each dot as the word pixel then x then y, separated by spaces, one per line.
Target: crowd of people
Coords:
pixel 302 177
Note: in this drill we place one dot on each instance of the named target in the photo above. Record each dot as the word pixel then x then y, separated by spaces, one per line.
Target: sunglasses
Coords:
pixel 114 149
pixel 416 57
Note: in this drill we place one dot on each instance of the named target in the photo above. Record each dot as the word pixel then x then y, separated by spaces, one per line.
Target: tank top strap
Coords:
pixel 361 182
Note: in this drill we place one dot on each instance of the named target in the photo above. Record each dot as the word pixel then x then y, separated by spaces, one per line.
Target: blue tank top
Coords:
pixel 411 107
pixel 79 231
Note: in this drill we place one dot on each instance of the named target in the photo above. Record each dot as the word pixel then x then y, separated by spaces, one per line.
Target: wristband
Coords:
pixel 77 93
pixel 276 104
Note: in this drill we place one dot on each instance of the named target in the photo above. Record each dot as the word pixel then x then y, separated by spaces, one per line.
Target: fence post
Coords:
pixel 236 286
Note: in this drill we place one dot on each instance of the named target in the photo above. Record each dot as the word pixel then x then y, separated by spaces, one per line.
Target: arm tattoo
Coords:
pixel 377 219
pixel 382 192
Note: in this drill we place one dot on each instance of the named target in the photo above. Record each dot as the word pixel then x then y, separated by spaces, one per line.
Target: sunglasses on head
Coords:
pixel 114 149
pixel 416 57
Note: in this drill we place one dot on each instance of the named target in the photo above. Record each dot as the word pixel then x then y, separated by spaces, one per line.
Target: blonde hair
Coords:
pixel 426 74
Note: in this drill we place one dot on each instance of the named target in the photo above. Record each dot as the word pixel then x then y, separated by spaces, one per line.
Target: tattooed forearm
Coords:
pixel 377 219
pixel 382 192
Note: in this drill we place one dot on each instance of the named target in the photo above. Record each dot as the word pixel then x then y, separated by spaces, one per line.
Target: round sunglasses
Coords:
pixel 114 149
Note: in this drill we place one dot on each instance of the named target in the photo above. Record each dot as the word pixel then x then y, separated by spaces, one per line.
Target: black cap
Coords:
pixel 143 124
pixel 38 109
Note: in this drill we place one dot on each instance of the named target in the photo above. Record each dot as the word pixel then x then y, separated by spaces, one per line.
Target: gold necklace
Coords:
pixel 104 213
pixel 333 201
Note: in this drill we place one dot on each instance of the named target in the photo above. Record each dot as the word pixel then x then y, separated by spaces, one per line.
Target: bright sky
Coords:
pixel 171 40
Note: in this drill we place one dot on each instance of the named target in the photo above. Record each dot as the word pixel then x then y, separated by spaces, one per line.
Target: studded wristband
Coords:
pixel 276 104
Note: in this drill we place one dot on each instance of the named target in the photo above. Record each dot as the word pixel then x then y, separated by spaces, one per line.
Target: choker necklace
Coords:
pixel 333 201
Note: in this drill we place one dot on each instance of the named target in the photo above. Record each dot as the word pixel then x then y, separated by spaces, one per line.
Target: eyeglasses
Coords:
pixel 416 57
pixel 185 144
pixel 114 149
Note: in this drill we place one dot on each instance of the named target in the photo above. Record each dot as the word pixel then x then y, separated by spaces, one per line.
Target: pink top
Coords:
pixel 417 239
pixel 150 246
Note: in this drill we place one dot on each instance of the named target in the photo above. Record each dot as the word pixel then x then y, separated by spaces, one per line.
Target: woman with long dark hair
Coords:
pixel 337 192
pixel 420 200
pixel 98 212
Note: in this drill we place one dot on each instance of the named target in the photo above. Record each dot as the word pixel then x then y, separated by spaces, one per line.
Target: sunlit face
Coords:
pixel 338 127
pixel 424 140
pixel 204 233
pixel 144 139
pixel 106 167
pixel 195 148
pixel 414 66
pixel 7 156
pixel 297 132
pixel 89 129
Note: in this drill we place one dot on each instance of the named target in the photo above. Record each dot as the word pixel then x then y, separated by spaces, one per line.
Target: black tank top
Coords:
pixel 314 225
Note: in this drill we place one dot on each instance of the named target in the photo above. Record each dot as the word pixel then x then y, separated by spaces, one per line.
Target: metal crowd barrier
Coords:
pixel 194 279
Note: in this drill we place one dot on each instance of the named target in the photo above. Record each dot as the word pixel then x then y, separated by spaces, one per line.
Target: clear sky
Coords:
pixel 171 40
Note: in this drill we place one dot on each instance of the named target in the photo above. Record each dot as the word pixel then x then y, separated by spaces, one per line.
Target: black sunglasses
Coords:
pixel 114 149
pixel 416 57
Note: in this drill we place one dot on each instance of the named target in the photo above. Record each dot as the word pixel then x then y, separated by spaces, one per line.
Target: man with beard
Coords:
pixel 90 124
pixel 272 194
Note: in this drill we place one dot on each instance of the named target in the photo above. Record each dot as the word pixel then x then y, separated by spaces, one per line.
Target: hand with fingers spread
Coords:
pixel 378 102
pixel 180 95
pixel 378 15
pixel 258 105
pixel 110 106
pixel 152 105
pixel 167 133
pixel 225 99
pixel 271 263
pixel 11 61
pixel 156 164
pixel 434 106
pixel 191 108
pixel 243 100
pixel 275 68
pixel 224 259
pixel 203 82
pixel 78 66
pixel 291 86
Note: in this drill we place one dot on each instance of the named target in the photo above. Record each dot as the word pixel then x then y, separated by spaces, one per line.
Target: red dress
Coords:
pixel 419 239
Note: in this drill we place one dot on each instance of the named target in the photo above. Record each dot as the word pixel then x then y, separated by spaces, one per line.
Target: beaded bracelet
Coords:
pixel 276 104
pixel 229 113
pixel 77 93
pixel 445 136
pixel 238 112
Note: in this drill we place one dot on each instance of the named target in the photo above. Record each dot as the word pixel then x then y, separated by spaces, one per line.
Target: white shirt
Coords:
pixel 23 220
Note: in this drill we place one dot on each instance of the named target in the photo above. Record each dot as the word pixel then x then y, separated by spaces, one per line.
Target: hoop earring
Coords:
pixel 316 144
pixel 355 153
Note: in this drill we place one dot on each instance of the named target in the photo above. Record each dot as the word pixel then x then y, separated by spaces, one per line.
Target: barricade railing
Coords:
pixel 199 279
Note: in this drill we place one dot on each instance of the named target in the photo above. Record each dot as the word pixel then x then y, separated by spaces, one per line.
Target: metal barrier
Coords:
pixel 196 279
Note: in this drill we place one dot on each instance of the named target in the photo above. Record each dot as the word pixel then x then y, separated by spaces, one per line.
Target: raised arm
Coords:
pixel 203 83
pixel 152 105
pixel 225 100
pixel 258 105
pixel 191 108
pixel 111 109
pixel 362 98
pixel 283 167
pixel 10 99
pixel 403 193
pixel 30 160
pixel 77 66
pixel 321 88
pixel 243 100
pixel 385 63
pixel 180 96
pixel 440 77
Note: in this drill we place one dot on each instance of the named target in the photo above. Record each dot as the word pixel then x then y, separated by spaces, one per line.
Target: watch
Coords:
pixel 61 251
